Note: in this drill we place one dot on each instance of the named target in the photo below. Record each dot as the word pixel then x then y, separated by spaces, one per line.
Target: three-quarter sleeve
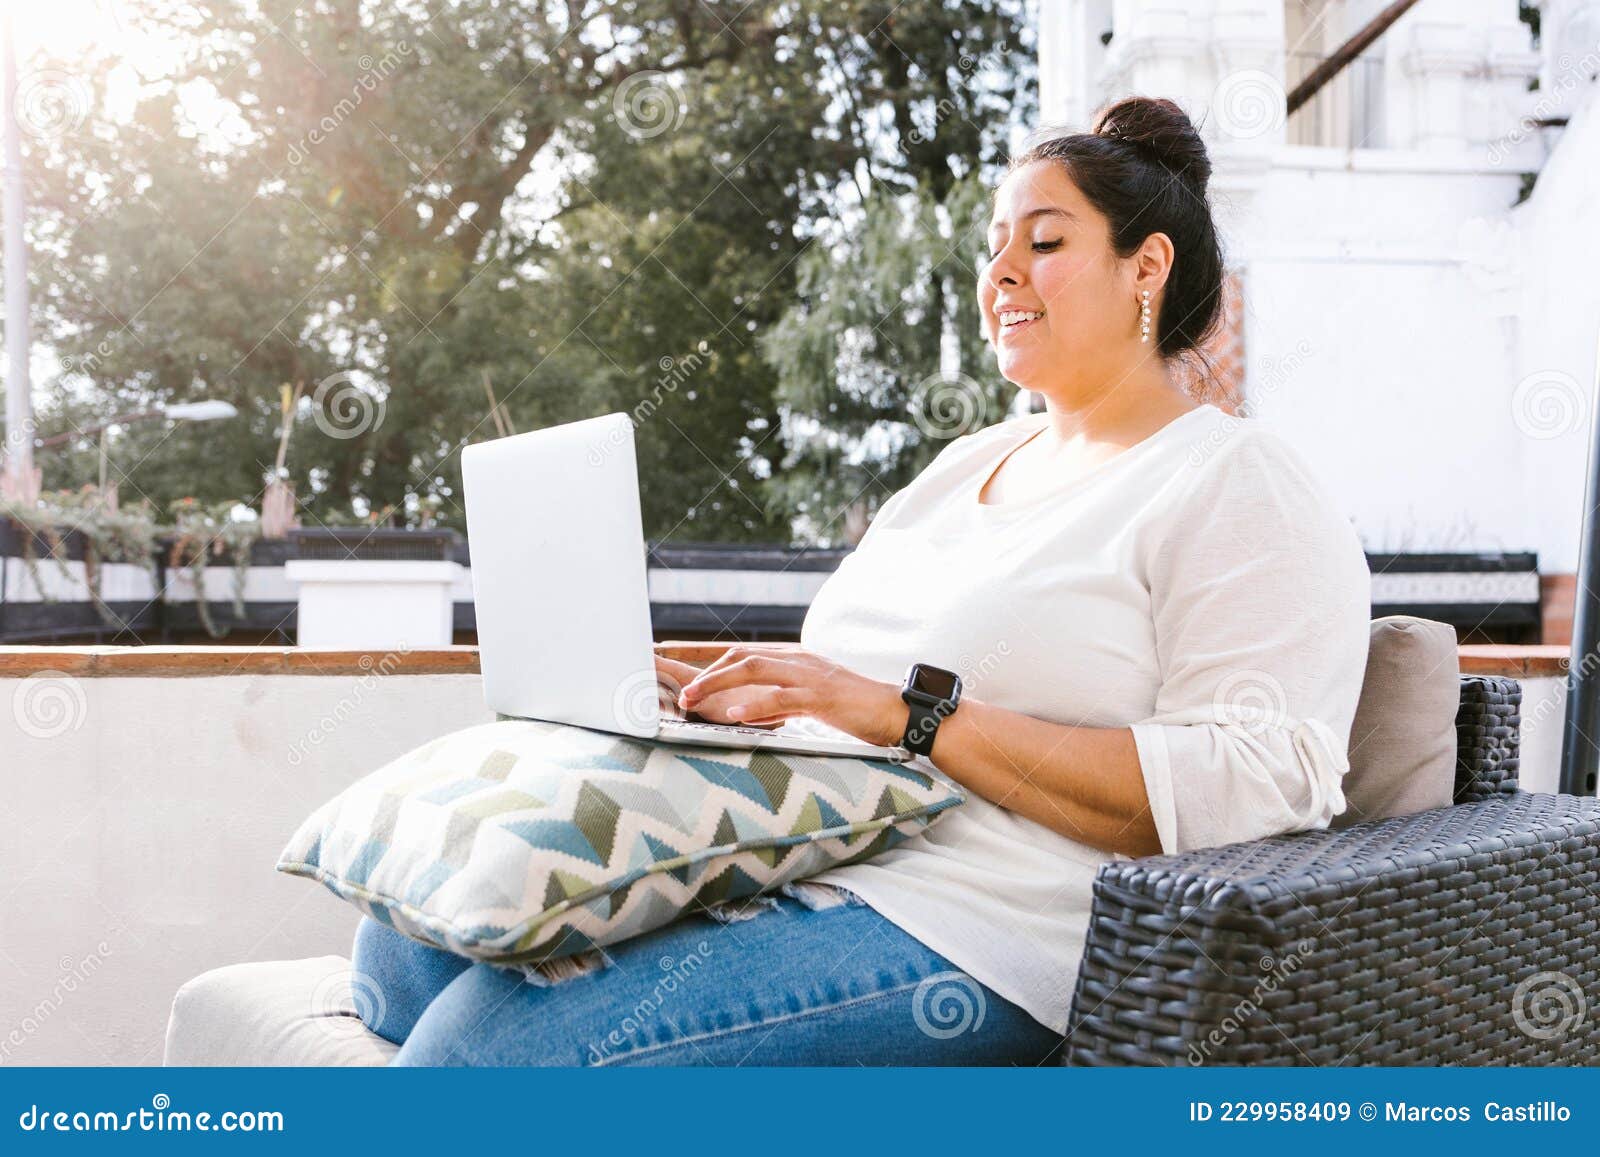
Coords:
pixel 1261 603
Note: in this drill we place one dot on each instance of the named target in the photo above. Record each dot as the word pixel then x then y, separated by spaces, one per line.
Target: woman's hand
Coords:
pixel 775 684
pixel 1085 783
pixel 671 678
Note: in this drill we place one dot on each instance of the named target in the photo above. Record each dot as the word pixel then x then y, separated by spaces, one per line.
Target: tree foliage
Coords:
pixel 591 207
pixel 881 359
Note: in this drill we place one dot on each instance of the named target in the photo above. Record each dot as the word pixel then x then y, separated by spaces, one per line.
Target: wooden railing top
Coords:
pixel 210 662
pixel 1517 662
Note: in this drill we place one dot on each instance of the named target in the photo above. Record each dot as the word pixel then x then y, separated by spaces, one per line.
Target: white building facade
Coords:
pixel 1416 321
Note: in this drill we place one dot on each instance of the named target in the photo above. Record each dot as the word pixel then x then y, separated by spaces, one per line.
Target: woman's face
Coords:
pixel 1056 303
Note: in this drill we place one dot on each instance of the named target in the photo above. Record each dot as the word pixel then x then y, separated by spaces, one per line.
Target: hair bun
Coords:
pixel 1161 130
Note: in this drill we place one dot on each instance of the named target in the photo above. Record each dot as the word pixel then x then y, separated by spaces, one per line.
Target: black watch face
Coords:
pixel 933 682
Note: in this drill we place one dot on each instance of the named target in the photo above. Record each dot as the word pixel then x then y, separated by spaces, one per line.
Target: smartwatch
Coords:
pixel 932 693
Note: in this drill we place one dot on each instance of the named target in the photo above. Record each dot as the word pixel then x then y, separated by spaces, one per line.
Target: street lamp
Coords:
pixel 206 410
pixel 209 410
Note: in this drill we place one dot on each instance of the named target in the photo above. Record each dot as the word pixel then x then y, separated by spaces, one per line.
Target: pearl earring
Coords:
pixel 1144 317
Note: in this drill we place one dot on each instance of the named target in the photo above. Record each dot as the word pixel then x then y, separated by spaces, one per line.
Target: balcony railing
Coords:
pixel 711 591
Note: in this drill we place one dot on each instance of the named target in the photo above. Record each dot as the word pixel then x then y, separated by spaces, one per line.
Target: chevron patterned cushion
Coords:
pixel 519 842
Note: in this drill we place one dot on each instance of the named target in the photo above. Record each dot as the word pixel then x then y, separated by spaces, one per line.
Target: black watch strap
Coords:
pixel 921 727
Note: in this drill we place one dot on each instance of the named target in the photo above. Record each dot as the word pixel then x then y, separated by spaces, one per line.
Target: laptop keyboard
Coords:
pixel 714 728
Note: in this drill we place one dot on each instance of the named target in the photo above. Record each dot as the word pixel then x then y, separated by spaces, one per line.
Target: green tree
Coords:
pixel 881 359
pixel 591 206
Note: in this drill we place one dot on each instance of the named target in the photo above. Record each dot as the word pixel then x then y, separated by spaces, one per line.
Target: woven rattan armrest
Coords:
pixel 1466 934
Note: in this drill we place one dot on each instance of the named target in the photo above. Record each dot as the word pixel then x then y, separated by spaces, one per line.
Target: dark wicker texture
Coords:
pixel 1487 725
pixel 1467 934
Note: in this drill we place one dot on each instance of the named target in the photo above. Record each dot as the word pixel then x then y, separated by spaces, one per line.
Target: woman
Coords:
pixel 1161 625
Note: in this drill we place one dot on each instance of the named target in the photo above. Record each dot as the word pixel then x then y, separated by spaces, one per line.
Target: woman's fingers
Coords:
pixel 725 706
pixel 743 651
pixel 739 705
pixel 738 673
pixel 675 672
pixel 722 706
pixel 772 705
pixel 715 677
pixel 671 675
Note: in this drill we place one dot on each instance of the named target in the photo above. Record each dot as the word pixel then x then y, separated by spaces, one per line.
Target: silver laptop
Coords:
pixel 559 585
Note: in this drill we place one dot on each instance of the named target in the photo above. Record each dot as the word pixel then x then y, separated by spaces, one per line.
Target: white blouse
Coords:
pixel 1199 587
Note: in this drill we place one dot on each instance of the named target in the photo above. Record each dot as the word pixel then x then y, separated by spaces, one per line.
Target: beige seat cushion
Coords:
pixel 1403 739
pixel 279 1012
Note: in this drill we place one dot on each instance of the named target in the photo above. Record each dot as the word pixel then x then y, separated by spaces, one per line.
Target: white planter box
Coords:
pixel 371 604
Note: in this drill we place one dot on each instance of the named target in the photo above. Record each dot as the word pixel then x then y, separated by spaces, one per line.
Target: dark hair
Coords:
pixel 1144 167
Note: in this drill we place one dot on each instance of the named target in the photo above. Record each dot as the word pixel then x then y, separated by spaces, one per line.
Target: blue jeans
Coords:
pixel 790 986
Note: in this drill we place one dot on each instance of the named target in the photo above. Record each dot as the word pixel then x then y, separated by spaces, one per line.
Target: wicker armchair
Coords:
pixel 1468 934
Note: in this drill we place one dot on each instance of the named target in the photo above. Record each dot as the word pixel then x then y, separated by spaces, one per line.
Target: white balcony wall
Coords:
pixel 144 817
